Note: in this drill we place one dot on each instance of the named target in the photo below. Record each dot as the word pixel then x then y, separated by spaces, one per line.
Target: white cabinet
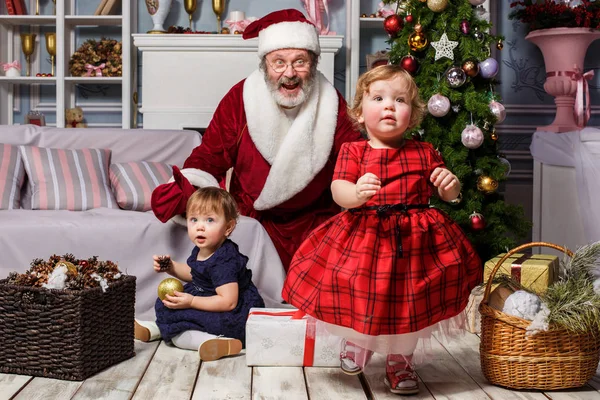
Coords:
pixel 364 35
pixel 66 23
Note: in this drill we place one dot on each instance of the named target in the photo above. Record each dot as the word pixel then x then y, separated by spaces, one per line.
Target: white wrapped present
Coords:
pixel 288 337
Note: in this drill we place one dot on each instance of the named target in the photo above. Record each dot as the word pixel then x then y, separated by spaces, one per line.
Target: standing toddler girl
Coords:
pixel 390 269
pixel 210 314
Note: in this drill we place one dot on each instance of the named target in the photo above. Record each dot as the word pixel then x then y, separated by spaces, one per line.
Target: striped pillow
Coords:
pixel 12 176
pixel 65 179
pixel 133 182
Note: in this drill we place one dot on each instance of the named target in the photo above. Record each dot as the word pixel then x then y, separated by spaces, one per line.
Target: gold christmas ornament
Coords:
pixel 487 184
pixel 437 5
pixel 494 135
pixel 71 268
pixel 225 30
pixel 471 68
pixel 417 41
pixel 363 15
pixel 499 45
pixel 418 28
pixel 168 286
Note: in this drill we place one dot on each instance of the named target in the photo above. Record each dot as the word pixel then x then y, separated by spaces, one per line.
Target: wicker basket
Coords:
pixel 65 334
pixel 556 359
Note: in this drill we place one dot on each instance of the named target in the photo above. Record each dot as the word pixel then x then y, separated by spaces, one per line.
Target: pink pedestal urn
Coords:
pixel 564 52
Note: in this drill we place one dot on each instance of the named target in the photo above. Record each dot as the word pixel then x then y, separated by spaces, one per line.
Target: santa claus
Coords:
pixel 280 130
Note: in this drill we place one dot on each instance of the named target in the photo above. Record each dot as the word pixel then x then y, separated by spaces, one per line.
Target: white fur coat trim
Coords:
pixel 305 148
pixel 198 178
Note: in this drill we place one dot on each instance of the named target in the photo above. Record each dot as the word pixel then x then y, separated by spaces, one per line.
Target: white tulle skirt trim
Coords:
pixel 416 343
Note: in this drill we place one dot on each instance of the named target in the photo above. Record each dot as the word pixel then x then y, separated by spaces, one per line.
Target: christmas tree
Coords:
pixel 446 46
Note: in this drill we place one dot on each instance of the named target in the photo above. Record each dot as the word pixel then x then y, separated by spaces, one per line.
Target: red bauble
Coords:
pixel 465 27
pixel 410 64
pixel 477 222
pixel 393 24
pixel 409 18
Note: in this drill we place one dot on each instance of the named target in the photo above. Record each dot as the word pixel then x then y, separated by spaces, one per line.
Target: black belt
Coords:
pixel 383 211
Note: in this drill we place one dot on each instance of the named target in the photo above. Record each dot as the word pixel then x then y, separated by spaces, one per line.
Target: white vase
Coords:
pixel 158 10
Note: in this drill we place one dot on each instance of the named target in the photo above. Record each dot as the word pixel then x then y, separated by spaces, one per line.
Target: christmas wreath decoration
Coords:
pixel 97 58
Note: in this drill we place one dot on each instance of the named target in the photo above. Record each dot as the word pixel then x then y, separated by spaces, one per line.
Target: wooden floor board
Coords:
pixel 228 378
pixel 11 384
pixel 170 375
pixel 278 383
pixel 120 381
pixel 465 350
pixel 332 383
pixel 160 371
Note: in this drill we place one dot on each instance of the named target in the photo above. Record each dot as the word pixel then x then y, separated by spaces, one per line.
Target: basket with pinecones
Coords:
pixel 66 318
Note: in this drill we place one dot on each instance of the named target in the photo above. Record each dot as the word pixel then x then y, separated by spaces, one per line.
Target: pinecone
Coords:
pixel 76 283
pixel 164 263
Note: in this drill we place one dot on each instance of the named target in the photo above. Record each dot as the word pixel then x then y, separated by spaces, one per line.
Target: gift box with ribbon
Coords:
pixel 533 271
pixel 288 337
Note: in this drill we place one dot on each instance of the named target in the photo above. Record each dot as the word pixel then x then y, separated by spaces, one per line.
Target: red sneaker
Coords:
pixel 353 358
pixel 400 376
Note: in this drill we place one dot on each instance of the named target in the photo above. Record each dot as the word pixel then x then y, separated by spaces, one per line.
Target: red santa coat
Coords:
pixel 282 180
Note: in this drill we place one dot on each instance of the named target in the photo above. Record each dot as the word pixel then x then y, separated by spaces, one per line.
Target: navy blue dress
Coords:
pixel 226 265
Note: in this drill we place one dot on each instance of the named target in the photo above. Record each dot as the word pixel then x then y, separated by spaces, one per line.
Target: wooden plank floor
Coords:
pixel 159 371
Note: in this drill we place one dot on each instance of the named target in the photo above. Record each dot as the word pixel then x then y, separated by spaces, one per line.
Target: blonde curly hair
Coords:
pixel 384 73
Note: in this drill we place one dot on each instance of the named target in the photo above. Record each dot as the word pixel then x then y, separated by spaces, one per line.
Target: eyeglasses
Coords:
pixel 280 66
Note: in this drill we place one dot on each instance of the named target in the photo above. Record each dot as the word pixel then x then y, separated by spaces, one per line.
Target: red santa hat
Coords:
pixel 283 29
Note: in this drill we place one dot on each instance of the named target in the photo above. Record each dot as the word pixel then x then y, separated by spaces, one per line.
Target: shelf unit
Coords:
pixel 66 23
pixel 358 31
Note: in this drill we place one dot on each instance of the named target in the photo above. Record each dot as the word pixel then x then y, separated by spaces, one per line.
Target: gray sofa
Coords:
pixel 129 238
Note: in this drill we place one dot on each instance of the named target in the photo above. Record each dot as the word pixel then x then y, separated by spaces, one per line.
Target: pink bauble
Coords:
pixel 498 110
pixel 471 137
pixel 438 105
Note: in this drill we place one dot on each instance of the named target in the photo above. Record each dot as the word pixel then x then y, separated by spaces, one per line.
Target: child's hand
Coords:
pixel 367 185
pixel 178 301
pixel 444 179
pixel 162 263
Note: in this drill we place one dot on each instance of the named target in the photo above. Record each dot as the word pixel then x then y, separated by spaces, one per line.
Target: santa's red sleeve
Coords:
pixel 208 163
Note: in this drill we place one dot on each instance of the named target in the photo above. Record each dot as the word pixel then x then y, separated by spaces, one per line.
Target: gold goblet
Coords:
pixel 190 8
pixel 51 47
pixel 28 46
pixel 218 8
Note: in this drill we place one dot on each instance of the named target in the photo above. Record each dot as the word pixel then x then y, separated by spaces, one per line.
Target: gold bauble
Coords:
pixel 487 184
pixel 494 135
pixel 363 15
pixel 437 5
pixel 71 268
pixel 168 286
pixel 471 68
pixel 499 45
pixel 225 30
pixel 417 41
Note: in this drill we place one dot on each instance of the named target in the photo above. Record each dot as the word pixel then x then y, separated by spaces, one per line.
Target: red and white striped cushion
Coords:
pixel 133 182
pixel 12 175
pixel 67 179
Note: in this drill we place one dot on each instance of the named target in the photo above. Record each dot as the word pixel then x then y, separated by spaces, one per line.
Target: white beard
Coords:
pixel 291 101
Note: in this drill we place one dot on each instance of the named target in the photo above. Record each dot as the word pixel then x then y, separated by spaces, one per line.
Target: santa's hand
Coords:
pixel 367 185
pixel 178 300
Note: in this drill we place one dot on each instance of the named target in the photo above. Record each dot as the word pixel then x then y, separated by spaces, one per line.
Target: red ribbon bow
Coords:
pixel 98 70
pixel 239 26
pixel 15 64
pixel 582 108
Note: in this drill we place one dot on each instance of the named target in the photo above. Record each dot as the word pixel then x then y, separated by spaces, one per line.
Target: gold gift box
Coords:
pixel 533 271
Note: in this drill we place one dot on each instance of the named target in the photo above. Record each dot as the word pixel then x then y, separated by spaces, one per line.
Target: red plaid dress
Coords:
pixel 391 271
